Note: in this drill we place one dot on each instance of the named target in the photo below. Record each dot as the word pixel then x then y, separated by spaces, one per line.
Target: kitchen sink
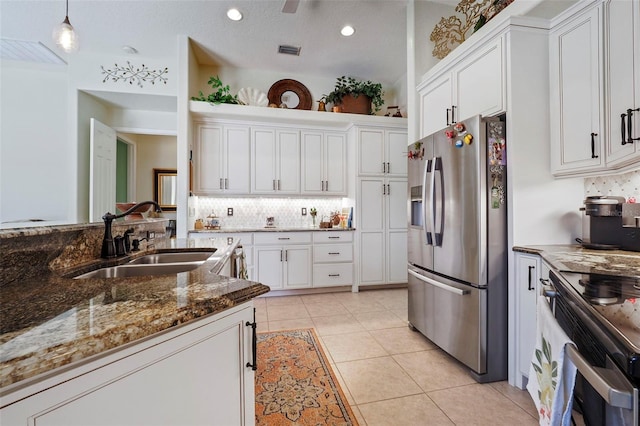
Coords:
pixel 192 256
pixel 138 270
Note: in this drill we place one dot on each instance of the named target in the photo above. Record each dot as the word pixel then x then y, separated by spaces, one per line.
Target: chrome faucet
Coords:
pixel 108 244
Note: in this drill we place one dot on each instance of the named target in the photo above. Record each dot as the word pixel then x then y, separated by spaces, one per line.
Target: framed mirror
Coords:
pixel 165 182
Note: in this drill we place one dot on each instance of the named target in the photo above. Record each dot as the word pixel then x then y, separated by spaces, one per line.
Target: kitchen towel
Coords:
pixel 552 374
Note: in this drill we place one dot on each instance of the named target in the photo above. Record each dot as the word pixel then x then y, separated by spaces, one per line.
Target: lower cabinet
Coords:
pixel 332 258
pixel 195 374
pixel 283 259
pixel 529 270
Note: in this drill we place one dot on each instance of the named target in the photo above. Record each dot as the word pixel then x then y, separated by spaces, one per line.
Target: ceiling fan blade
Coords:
pixel 290 6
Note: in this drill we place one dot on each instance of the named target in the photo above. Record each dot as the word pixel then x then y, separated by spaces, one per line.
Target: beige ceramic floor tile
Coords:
pixel 379 320
pixel 284 312
pixel 259 302
pixel 376 379
pixel 359 305
pixel 262 327
pixel 343 386
pixel 337 324
pixel 406 411
pixel 308 299
pixel 434 369
pixel 478 404
pixel 402 340
pixel 326 309
pixel 352 346
pixel 520 397
pixel 402 314
pixel 283 300
pixel 261 313
pixel 290 324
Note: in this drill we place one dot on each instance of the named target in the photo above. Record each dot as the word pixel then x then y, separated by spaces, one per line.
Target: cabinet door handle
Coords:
pixel 254 342
pixel 388 189
pixel 280 255
pixel 388 167
pixel 334 275
pixel 530 287
pixel 448 109
pixel 278 184
pixel 453 114
pixel 286 255
pixel 334 252
pixel 334 238
pixel 630 137
pixel 384 167
pixel 221 183
pixel 623 129
pixel 284 238
pixel 593 145
pixel 384 189
pixel 226 183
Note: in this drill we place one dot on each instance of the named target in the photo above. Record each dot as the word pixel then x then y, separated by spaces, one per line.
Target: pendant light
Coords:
pixel 64 34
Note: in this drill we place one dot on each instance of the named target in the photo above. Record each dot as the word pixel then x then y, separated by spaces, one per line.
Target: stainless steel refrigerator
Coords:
pixel 457 243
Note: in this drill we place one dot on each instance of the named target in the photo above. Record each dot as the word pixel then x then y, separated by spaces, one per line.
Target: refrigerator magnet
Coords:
pixel 468 139
pixel 459 127
pixel 459 143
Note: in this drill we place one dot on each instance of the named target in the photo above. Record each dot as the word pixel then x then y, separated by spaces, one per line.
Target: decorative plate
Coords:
pixel 254 97
pixel 291 93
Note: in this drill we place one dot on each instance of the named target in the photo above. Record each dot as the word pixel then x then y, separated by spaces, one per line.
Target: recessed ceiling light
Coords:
pixel 347 30
pixel 130 49
pixel 234 14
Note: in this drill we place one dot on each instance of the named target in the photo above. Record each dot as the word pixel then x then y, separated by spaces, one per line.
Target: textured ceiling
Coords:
pixel 377 51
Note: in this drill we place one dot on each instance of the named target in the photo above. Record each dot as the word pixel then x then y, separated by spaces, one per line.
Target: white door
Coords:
pixel 297 263
pixel 269 266
pixel 263 151
pixel 102 171
pixel 312 163
pixel 397 257
pixel 237 162
pixel 371 152
pixel 335 164
pixel 435 99
pixel 288 159
pixel 397 149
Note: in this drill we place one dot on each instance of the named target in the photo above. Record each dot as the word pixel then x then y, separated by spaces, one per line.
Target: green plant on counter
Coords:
pixel 351 86
pixel 222 94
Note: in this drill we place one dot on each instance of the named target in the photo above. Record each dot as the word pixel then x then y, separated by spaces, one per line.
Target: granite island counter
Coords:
pixel 62 336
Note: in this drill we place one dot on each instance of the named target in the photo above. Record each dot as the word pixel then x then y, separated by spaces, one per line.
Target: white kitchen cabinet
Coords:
pixel 194 374
pixel 529 270
pixel 576 114
pixel 476 85
pixel 382 226
pixel 221 159
pixel 332 258
pixel 622 70
pixel 283 259
pixel 275 161
pixel 324 163
pixel 382 152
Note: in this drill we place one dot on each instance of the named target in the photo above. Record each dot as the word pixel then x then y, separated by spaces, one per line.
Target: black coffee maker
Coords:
pixel 611 223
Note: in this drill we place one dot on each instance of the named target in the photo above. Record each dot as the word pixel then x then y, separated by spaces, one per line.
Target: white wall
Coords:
pixel 157 152
pixel 35 150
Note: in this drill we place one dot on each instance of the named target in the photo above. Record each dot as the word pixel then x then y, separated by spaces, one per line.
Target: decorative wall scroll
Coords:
pixel 130 74
pixel 452 31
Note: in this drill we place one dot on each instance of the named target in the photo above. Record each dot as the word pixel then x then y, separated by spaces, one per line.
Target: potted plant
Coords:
pixel 364 93
pixel 222 94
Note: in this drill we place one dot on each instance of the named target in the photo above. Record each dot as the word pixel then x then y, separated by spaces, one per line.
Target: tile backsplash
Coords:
pixel 623 185
pixel 253 212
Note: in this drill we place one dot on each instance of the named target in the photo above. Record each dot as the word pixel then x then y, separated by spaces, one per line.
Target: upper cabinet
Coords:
pixel 474 85
pixel 622 68
pixel 221 155
pixel 275 161
pixel 576 113
pixel 595 88
pixel 324 164
pixel 382 152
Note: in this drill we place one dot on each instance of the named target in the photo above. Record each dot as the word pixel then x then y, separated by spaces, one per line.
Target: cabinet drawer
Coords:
pixel 332 236
pixel 282 238
pixel 332 274
pixel 333 253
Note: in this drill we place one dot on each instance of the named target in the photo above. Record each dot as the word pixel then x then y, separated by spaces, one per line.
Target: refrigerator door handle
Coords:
pixel 426 202
pixel 438 284
pixel 440 201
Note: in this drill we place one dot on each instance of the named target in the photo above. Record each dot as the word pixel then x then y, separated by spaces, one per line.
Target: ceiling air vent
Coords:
pixel 31 51
pixel 289 50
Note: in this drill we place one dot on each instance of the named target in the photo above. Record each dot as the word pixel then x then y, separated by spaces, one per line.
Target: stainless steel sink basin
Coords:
pixel 193 256
pixel 138 270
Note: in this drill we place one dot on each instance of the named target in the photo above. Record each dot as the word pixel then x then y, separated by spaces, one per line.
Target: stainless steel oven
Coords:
pixel 600 315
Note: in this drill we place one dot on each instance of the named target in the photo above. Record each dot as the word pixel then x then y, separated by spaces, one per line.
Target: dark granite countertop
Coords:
pixel 50 321
pixel 575 258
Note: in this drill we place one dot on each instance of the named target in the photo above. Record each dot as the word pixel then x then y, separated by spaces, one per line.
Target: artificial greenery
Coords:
pixel 222 94
pixel 353 87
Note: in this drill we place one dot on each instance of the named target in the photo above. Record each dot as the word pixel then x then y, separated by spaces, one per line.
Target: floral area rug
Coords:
pixel 295 384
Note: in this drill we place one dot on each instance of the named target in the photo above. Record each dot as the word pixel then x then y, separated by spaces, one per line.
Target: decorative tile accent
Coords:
pixel 253 212
pixel 623 185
